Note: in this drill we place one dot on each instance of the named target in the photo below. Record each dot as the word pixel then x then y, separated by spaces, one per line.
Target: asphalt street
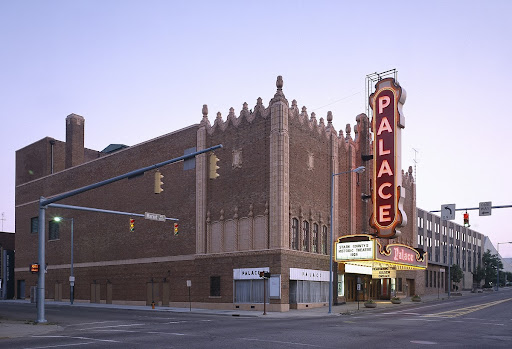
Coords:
pixel 483 320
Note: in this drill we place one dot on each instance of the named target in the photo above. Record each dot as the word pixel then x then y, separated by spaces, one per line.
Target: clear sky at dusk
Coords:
pixel 139 69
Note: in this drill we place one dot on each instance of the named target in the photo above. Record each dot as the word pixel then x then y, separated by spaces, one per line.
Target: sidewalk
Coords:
pixel 10 328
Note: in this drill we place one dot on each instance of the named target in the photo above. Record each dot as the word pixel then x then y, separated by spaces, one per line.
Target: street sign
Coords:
pixel 485 208
pixel 448 212
pixel 154 216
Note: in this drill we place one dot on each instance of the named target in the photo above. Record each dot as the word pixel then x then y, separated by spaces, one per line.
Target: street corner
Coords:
pixel 25 328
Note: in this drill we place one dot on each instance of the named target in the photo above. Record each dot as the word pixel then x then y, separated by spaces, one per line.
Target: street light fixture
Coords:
pixel 360 169
pixel 498 266
pixel 71 277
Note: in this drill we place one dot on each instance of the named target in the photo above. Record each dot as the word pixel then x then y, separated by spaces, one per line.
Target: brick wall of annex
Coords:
pixel 103 237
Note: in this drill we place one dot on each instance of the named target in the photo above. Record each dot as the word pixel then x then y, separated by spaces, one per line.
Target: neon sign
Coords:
pixel 387 193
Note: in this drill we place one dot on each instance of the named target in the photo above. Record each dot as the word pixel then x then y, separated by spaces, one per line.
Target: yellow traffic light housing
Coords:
pixel 158 182
pixel 132 225
pixel 175 228
pixel 213 166
pixel 34 268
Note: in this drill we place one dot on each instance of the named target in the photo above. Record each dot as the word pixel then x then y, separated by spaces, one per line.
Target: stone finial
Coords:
pixel 322 122
pixel 410 171
pixel 259 101
pixel 348 129
pixel 294 103
pixel 279 82
pixel 245 107
pixel 279 96
pixel 313 116
pixel 205 110
pixel 219 116
pixel 329 117
pixel 232 111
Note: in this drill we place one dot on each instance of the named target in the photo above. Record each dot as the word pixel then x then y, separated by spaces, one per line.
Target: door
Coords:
pixel 21 289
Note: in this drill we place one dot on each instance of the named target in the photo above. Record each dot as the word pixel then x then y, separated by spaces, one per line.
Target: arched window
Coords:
pixel 305 241
pixel 324 240
pixel 315 238
pixel 295 234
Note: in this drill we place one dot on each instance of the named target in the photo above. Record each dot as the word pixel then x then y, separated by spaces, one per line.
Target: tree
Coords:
pixel 479 274
pixel 456 273
pixel 490 264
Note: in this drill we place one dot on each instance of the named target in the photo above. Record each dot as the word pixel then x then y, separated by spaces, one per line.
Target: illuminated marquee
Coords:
pixel 387 122
pixel 403 255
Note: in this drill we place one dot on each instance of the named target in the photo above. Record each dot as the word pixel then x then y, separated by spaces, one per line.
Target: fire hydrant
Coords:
pixel 152 305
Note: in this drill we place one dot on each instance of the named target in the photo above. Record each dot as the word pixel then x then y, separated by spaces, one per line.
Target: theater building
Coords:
pixel 267 210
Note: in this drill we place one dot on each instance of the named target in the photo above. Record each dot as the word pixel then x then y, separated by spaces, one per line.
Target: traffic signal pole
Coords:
pixel 45 202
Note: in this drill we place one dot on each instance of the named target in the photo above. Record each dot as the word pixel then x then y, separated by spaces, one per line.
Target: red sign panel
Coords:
pixel 402 255
pixel 387 122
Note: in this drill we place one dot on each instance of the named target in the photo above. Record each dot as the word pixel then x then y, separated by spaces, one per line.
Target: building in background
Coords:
pixel 448 243
pixel 266 208
pixel 7 244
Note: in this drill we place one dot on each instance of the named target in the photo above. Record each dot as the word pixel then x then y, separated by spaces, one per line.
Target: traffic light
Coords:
pixel 132 225
pixel 34 268
pixel 213 166
pixel 466 219
pixel 158 182
pixel 175 228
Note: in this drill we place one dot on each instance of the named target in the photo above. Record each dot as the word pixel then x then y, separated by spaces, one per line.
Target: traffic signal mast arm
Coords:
pixel 474 208
pixel 45 201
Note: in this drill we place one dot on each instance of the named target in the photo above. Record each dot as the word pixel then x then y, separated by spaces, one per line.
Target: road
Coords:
pixel 474 322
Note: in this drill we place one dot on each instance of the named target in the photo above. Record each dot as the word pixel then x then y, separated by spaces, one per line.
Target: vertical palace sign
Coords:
pixel 387 123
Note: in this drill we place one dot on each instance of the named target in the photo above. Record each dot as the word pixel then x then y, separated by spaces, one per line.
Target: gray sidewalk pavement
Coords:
pixel 10 328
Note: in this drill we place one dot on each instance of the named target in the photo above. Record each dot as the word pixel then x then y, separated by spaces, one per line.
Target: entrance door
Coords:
pixel 21 289
pixel 351 286
pixel 411 287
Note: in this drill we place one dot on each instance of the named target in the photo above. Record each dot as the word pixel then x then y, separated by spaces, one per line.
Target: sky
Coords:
pixel 139 69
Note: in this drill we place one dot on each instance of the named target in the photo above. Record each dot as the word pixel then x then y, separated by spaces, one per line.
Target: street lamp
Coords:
pixel 71 277
pixel 498 266
pixel 360 169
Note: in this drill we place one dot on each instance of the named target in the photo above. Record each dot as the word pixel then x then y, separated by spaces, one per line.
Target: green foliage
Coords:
pixel 479 274
pixel 490 264
pixel 456 273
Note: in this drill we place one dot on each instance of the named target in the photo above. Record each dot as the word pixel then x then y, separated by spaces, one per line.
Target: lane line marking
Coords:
pixel 466 310
pixel 281 342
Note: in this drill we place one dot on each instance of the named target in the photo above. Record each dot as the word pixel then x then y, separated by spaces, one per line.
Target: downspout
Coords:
pixel 52 143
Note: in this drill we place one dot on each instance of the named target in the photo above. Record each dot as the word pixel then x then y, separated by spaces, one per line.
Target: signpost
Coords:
pixel 189 285
pixel 485 208
pixel 448 212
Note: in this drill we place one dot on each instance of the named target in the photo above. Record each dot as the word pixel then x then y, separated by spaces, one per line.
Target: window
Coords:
pixel 53 230
pixel 435 279
pixel 214 286
pixel 430 283
pixel 324 239
pixel 308 291
pixel 34 225
pixel 251 291
pixel 399 284
pixel 295 234
pixel 305 241
pixel 315 238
